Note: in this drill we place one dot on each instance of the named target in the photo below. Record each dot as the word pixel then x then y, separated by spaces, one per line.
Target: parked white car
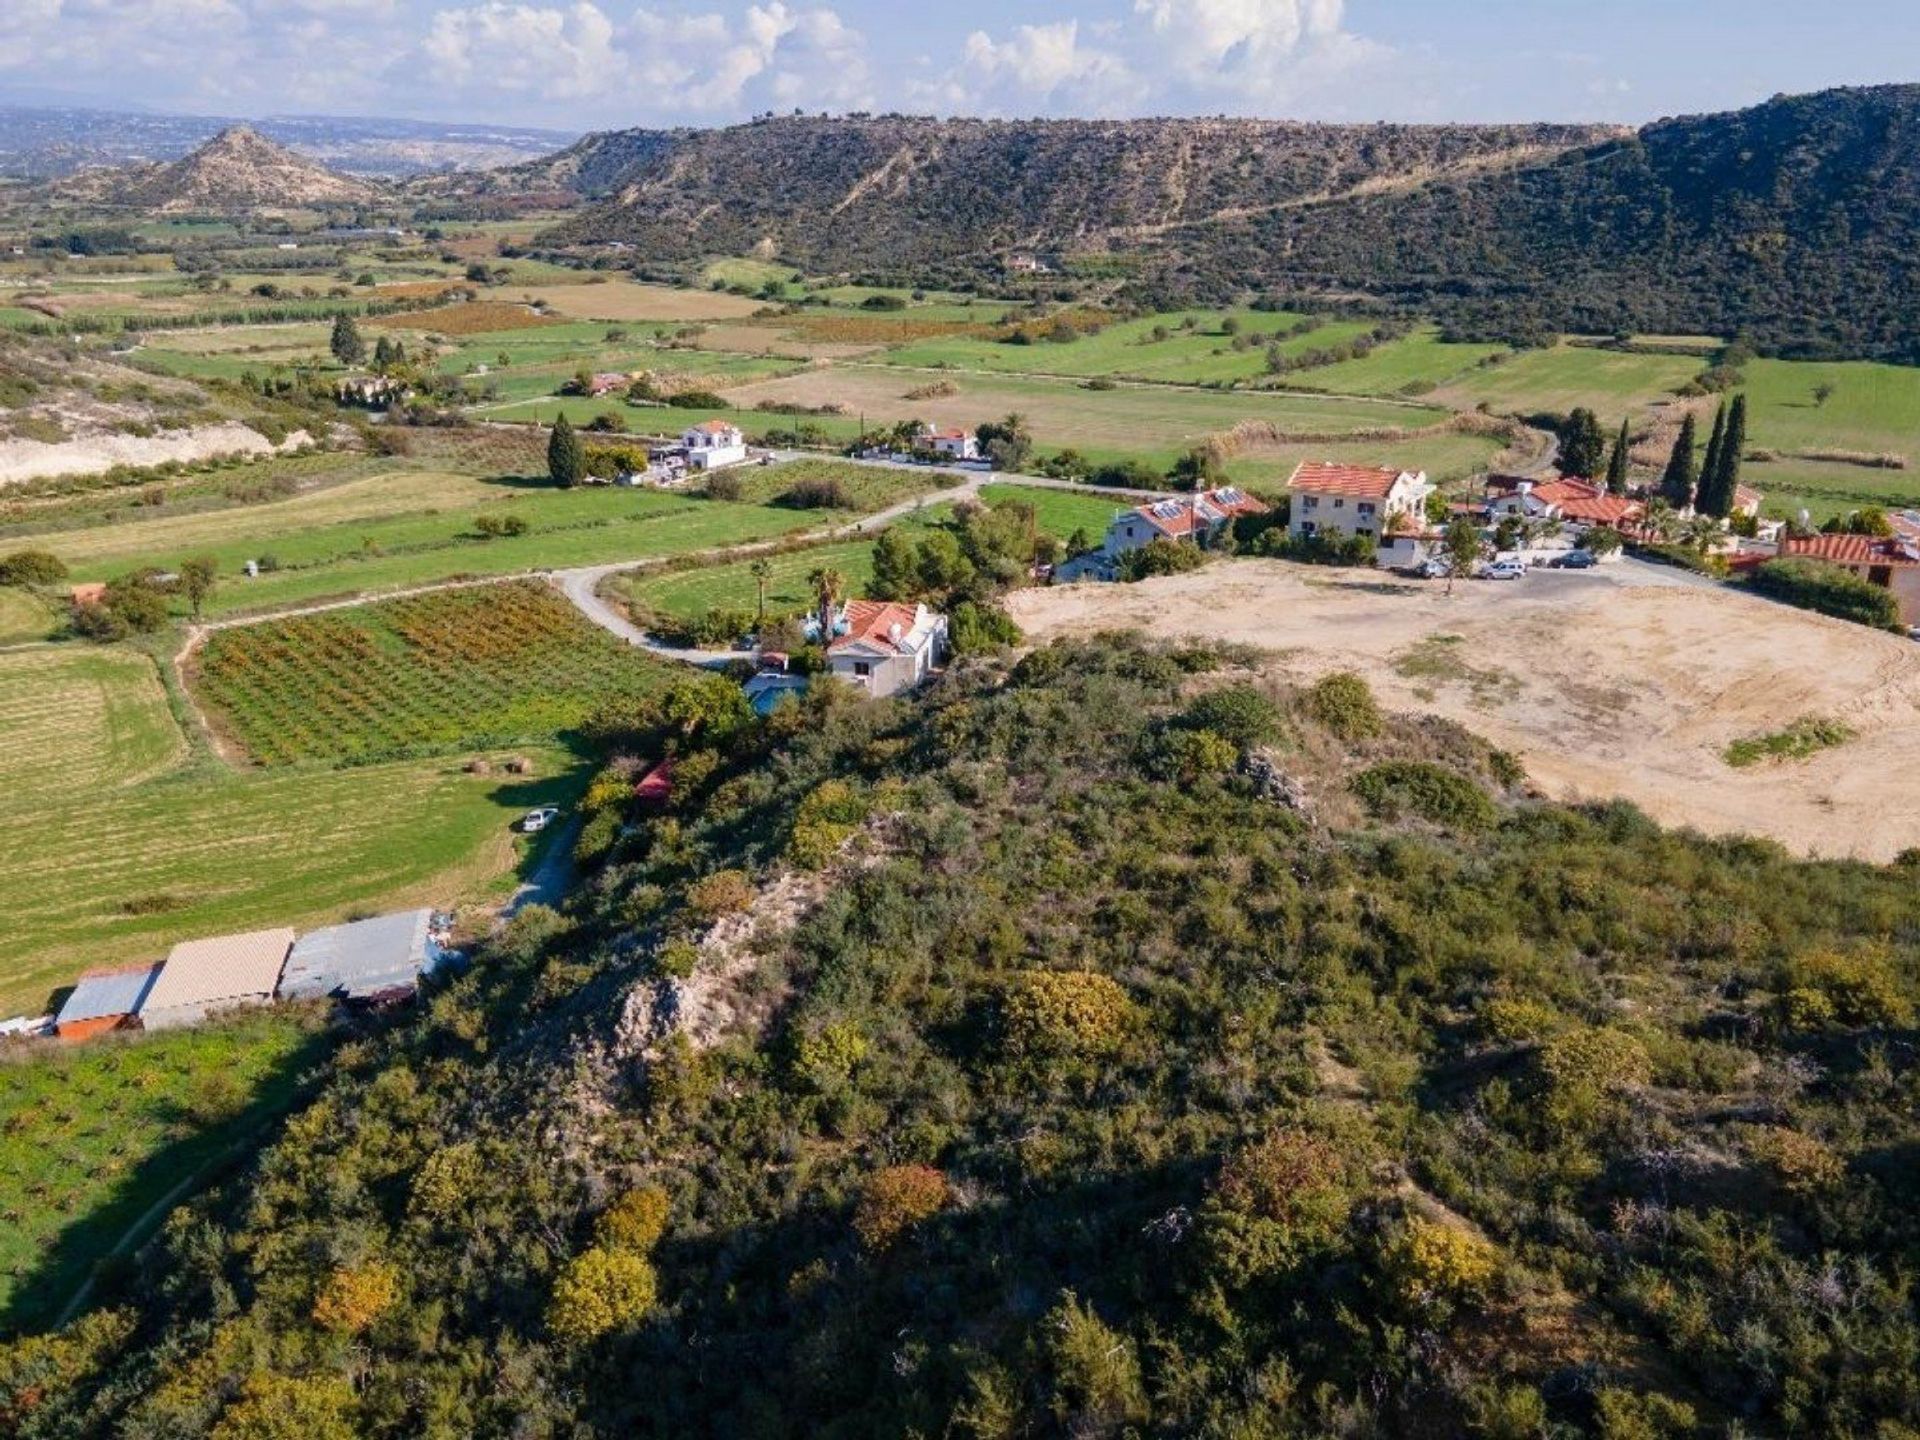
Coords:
pixel 534 821
pixel 1505 570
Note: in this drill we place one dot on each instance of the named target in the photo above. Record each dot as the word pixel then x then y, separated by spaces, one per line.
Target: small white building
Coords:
pixel 714 444
pixel 887 647
pixel 1340 500
pixel 1195 519
pixel 952 444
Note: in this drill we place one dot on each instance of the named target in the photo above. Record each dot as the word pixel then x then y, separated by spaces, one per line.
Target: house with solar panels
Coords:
pixel 365 962
pixel 1195 519
pixel 104 1000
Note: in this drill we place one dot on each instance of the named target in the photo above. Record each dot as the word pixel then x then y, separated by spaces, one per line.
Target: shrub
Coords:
pixel 635 1221
pixel 1097 1384
pixel 447 1182
pixel 354 1297
pixel 1274 1202
pixel 599 1292
pixel 725 892
pixel 976 628
pixel 1160 557
pixel 896 1199
pixel 1853 988
pixel 1434 1266
pixel 32 567
pixel 817 493
pixel 824 822
pixel 722 486
pixel 1344 703
pixel 1237 713
pixel 1621 1414
pixel 287 1407
pixel 677 959
pixel 1582 1071
pixel 826 1059
pixel 1190 755
pixel 1057 1012
pixel 1803 1164
pixel 1430 791
pixel 1816 585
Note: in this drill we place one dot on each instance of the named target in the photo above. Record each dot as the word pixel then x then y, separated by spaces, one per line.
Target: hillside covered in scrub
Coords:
pixel 1791 222
pixel 1107 1044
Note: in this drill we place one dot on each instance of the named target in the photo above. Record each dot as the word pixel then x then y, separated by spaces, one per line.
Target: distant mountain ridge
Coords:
pixel 238 169
pixel 1795 221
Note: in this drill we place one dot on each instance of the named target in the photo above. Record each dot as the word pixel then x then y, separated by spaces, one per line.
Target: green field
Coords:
pixel 393 530
pixel 23 616
pixel 688 594
pixel 1061 512
pixel 121 843
pixel 1414 365
pixel 1445 458
pixel 1611 383
pixel 92 1138
pixel 1204 354
pixel 1874 409
pixel 469 669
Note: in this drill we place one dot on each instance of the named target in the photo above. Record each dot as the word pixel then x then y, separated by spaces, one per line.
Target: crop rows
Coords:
pixel 459 669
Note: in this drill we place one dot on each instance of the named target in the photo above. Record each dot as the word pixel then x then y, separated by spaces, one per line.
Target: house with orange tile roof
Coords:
pixel 1336 500
pixel 1576 502
pixel 713 444
pixel 887 647
pixel 1891 563
pixel 953 443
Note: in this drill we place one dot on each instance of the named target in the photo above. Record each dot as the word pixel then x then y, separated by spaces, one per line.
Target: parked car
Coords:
pixel 1577 560
pixel 1504 570
pixel 1433 569
pixel 538 819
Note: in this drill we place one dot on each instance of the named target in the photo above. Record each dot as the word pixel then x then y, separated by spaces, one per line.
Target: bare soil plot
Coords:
pixel 1629 683
pixel 626 300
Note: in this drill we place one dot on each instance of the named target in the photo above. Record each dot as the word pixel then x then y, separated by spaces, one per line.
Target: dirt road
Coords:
pixel 1629 682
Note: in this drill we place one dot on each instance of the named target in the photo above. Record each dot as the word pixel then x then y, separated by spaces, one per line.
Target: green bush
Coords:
pixel 1816 585
pixel 1433 792
pixel 1344 703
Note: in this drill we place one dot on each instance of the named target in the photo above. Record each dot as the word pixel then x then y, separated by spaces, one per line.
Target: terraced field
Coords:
pixel 469 669
pixel 120 844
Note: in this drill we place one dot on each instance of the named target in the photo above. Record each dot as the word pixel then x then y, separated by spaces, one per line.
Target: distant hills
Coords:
pixel 41 140
pixel 1794 221
pixel 238 169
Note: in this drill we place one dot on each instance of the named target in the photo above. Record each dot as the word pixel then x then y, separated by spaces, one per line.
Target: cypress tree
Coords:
pixel 1711 465
pixel 566 460
pixel 1617 463
pixel 347 346
pixel 1676 485
pixel 1583 445
pixel 1717 490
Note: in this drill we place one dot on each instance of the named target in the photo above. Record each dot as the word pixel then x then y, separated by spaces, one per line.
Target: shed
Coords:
pixel 222 973
pixel 364 961
pixel 104 1000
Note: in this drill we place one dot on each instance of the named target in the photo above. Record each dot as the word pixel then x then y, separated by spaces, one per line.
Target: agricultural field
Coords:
pixel 689 593
pixel 469 669
pixel 1060 512
pixel 1187 347
pixel 24 616
pixel 1414 365
pixel 1611 383
pixel 403 527
pixel 123 841
pixel 1447 459
pixel 630 300
pixel 1872 410
pixel 93 1138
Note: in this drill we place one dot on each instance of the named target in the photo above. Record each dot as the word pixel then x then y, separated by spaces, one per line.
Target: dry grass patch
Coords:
pixel 470 317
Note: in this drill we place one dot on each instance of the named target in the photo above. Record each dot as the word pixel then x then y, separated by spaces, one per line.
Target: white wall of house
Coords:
pixel 710 450
pixel 1312 513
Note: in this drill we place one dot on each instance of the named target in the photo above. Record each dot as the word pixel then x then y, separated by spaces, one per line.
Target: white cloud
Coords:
pixel 773 54
pixel 547 52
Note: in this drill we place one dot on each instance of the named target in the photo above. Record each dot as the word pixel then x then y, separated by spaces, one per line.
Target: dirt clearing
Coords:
pixel 1629 683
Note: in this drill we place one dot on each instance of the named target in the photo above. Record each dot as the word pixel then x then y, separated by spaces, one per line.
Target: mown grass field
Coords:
pixel 120 843
pixel 1061 512
pixel 395 530
pixel 1203 354
pixel 23 616
pixel 1444 457
pixel 469 669
pixel 1874 409
pixel 1611 383
pixel 1415 364
pixel 93 1137
pixel 687 594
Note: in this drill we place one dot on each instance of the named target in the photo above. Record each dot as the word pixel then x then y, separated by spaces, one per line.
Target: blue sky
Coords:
pixel 580 64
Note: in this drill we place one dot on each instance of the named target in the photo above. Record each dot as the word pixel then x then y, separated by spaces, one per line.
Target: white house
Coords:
pixel 887 647
pixel 953 444
pixel 713 444
pixel 1187 519
pixel 1334 499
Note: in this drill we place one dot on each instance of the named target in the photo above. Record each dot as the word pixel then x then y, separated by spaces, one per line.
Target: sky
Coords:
pixel 595 64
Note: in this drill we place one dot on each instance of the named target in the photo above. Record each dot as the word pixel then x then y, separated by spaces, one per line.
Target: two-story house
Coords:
pixel 1185 519
pixel 887 647
pixel 713 444
pixel 1340 500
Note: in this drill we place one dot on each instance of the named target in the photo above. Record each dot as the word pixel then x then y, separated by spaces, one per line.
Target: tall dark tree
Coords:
pixel 566 458
pixel 1711 464
pixel 347 346
pixel 1617 462
pixel 1583 444
pixel 1676 485
pixel 1718 486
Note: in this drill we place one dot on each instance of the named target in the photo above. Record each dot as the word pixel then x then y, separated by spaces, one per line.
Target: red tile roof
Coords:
pixel 871 622
pixel 1327 477
pixel 1602 509
pixel 1181 517
pixel 1852 549
pixel 715 427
